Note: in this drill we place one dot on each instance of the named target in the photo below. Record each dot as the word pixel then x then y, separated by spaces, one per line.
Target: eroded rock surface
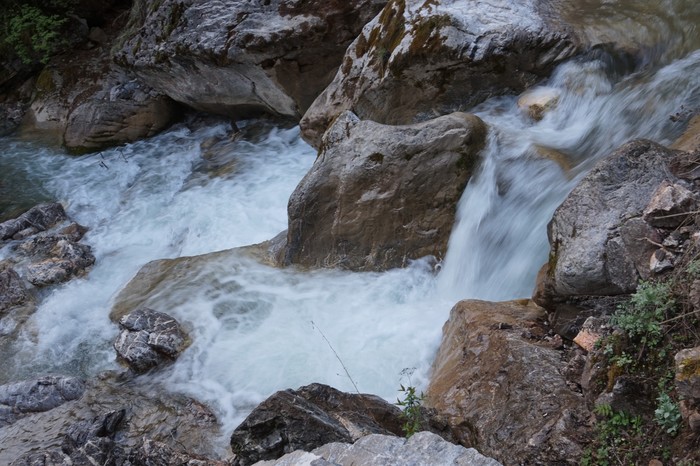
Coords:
pixel 149 339
pixel 422 449
pixel 236 57
pixel 502 389
pixel 418 59
pixel 378 195
pixel 308 418
pixel 38 218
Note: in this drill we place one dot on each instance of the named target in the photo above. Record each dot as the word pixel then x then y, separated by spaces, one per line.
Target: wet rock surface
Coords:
pixel 308 418
pixel 238 58
pixel 379 195
pixel 149 339
pixel 422 449
pixel 501 388
pixel 417 60
pixel 38 218
pixel 22 398
pixel 114 423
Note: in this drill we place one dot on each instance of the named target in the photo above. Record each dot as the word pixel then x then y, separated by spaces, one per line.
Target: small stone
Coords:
pixel 556 342
pixel 655 462
pixel 694 421
pixel 537 101
pixel 661 261
pixel 592 331
pixel 669 206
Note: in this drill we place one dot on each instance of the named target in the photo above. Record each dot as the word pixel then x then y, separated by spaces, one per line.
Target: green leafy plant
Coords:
pixel 668 414
pixel 411 407
pixel 643 316
pixel 617 435
pixel 33 34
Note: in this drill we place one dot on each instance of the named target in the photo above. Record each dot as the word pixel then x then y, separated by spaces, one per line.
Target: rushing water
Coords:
pixel 257 329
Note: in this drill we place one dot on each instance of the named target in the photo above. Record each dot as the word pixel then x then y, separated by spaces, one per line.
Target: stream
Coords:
pixel 257 329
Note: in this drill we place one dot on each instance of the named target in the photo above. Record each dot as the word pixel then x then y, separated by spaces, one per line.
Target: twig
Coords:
pixel 679 317
pixel 336 355
pixel 677 215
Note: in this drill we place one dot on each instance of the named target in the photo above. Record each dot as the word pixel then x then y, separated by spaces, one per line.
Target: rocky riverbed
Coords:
pixel 342 179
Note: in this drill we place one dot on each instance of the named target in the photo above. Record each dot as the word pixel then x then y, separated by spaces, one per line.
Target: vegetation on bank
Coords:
pixel 659 320
pixel 34 30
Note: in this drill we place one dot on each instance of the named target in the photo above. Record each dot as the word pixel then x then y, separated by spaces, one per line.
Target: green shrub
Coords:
pixel 668 414
pixel 642 317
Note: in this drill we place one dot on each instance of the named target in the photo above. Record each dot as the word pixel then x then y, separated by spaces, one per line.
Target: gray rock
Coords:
pixel 65 259
pixel 40 217
pixel 307 418
pixel 12 290
pixel 418 59
pixel 378 195
pixel 670 205
pixel 688 373
pixel 422 449
pixel 19 398
pixel 149 339
pixel 595 249
pixel 503 391
pixel 237 57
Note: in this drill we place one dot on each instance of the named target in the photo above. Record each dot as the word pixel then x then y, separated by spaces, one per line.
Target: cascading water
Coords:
pixel 251 325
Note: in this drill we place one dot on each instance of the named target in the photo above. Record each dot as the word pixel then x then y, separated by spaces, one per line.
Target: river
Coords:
pixel 257 329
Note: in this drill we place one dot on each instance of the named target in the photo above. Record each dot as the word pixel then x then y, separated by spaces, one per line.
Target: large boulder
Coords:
pixel 418 59
pixel 236 57
pixel 379 195
pixel 422 449
pixel 501 386
pixel 605 232
pixel 149 339
pixel 308 418
pixel 87 103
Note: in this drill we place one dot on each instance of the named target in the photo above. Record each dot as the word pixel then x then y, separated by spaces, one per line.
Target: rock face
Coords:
pixel 22 398
pixel 422 449
pixel 12 290
pixel 307 418
pixel 380 195
pixel 603 235
pixel 418 59
pixel 90 103
pixel 503 392
pixel 236 57
pixel 149 339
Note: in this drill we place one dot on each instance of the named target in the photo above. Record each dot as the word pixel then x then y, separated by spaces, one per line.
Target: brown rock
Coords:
pixel 502 394
pixel 378 195
pixel 688 373
pixel 593 330
pixel 690 139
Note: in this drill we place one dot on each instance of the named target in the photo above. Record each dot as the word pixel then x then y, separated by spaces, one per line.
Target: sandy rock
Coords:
pixel 690 139
pixel 535 102
pixel 241 57
pixel 378 195
pixel 504 393
pixel 309 417
pixel 418 59
pixel 593 330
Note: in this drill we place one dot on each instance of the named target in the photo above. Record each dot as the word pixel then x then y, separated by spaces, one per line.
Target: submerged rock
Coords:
pixel 502 388
pixel 378 196
pixel 149 339
pixel 419 59
pixel 422 449
pixel 309 417
pixel 235 57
